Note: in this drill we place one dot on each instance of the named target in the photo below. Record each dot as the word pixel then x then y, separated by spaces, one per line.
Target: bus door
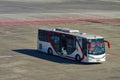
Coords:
pixel 63 45
pixel 71 45
pixel 68 45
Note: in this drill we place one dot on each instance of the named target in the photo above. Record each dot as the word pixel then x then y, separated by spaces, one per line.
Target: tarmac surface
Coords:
pixel 66 6
pixel 20 20
pixel 55 8
pixel 19 59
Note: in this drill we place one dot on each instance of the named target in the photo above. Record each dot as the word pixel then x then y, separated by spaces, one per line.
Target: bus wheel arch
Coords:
pixel 50 51
pixel 77 58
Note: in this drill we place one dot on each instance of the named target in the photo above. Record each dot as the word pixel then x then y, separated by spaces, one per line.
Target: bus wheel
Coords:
pixel 77 58
pixel 50 51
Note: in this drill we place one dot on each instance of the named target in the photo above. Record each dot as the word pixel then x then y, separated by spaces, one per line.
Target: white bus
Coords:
pixel 72 44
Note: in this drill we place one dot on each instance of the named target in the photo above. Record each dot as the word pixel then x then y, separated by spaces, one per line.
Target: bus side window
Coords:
pixel 55 40
pixel 84 46
pixel 71 45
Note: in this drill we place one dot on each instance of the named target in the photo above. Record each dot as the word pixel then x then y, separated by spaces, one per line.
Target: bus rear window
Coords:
pixel 42 35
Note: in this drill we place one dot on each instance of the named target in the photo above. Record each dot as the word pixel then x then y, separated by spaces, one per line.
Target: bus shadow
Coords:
pixel 37 54
pixel 41 55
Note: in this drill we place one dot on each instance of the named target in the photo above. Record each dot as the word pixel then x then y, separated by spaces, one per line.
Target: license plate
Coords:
pixel 98 60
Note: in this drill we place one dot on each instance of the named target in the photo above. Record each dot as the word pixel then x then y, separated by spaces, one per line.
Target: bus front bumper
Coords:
pixel 93 59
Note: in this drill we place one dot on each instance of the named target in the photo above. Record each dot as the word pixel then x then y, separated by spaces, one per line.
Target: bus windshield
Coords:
pixel 97 46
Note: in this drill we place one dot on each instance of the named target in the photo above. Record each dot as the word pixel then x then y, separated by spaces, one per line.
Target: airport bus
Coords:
pixel 72 44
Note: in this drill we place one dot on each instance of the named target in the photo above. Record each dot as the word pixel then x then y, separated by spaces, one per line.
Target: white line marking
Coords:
pixel 111 0
pixel 5 56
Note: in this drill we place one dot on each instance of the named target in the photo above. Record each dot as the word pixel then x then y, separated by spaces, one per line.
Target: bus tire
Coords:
pixel 50 52
pixel 78 58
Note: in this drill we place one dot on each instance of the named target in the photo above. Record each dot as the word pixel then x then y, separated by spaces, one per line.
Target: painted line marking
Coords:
pixel 5 56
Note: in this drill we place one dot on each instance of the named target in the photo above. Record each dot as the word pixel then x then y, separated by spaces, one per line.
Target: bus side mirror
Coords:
pixel 107 43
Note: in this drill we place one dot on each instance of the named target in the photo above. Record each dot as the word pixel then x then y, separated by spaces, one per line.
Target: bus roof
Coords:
pixel 72 32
